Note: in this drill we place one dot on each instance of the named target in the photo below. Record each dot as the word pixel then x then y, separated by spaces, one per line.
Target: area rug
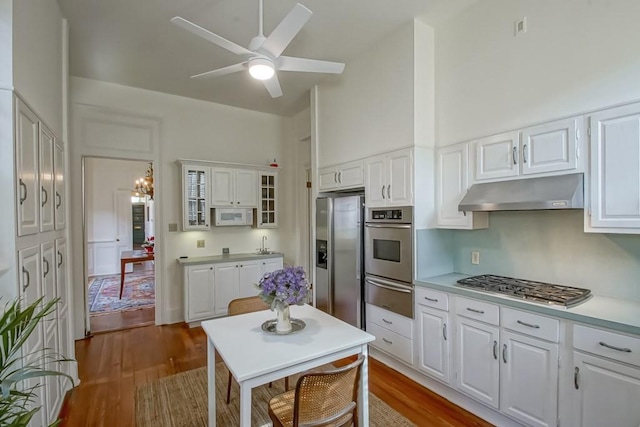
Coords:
pixel 104 292
pixel 181 401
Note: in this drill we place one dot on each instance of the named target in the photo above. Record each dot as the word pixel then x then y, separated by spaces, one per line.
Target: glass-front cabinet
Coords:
pixel 268 200
pixel 195 192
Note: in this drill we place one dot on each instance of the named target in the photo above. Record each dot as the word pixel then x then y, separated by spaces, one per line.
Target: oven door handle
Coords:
pixel 387 225
pixel 391 288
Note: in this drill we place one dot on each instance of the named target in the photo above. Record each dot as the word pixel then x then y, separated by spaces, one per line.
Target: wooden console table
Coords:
pixel 128 257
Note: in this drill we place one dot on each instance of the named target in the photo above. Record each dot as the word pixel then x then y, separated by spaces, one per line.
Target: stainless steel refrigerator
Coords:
pixel 339 260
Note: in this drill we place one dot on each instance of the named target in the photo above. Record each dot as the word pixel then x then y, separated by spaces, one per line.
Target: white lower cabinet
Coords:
pixel 209 288
pixel 393 332
pixel 606 378
pixel 433 341
pixel 477 366
pixel 199 285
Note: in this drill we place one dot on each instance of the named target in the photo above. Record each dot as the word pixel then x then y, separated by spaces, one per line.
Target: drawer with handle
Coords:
pixel 389 320
pixel 532 324
pixel 431 298
pixel 394 344
pixel 479 310
pixel 607 344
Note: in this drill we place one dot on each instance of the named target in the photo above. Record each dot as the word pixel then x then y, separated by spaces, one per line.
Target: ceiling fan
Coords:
pixel 263 57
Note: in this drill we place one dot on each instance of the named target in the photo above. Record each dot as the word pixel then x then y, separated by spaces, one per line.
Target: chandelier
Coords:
pixel 144 186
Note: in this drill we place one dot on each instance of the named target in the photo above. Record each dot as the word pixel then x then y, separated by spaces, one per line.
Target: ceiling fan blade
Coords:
pixel 222 71
pixel 273 86
pixel 286 30
pixel 209 36
pixel 290 63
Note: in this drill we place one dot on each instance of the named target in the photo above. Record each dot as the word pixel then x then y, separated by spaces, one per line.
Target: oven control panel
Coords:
pixel 387 214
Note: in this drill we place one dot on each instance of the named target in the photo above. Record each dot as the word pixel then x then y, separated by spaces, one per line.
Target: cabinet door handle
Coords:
pixel 46 196
pixel 59 259
pixel 23 187
pixel 473 310
pixel 59 200
pixel 444 331
pixel 520 322
pixel 575 378
pixel 389 191
pixel 495 350
pixel 524 153
pixel 387 341
pixel 387 321
pixel 504 353
pixel 383 191
pixel 431 299
pixel 28 281
pixel 613 347
pixel 340 177
pixel 46 263
pixel 335 177
pixel 514 155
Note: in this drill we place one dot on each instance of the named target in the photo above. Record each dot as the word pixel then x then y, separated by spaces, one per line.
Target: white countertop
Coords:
pixel 611 313
pixel 214 259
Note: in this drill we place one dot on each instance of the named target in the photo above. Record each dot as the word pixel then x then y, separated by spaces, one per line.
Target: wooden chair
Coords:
pixel 320 399
pixel 242 306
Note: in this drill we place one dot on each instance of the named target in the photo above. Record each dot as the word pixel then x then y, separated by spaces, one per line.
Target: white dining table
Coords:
pixel 255 357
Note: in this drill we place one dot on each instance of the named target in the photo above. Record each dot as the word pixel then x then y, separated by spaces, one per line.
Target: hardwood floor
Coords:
pixel 112 364
pixel 123 320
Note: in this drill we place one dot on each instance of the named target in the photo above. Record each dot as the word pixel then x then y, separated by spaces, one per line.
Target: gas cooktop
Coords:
pixel 529 290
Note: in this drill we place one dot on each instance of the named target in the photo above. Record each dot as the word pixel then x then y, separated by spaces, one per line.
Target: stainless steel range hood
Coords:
pixel 552 192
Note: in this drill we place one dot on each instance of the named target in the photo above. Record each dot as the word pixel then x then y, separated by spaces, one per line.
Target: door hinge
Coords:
pixel 308 184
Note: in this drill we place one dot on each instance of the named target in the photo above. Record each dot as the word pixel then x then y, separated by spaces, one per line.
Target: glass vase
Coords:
pixel 283 318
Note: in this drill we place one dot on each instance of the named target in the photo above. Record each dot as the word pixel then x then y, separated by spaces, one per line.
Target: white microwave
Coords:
pixel 233 216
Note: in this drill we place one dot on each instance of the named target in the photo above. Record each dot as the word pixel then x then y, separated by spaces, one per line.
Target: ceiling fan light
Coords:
pixel 261 69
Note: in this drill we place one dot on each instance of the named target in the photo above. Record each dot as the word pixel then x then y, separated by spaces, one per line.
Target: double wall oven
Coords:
pixel 389 259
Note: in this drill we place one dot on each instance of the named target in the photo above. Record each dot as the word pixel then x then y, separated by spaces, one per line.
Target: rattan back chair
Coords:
pixel 243 306
pixel 326 398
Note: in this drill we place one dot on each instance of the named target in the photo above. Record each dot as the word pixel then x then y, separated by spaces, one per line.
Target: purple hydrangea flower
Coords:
pixel 288 286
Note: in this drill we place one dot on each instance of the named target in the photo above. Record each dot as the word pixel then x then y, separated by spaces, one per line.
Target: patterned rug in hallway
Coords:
pixel 104 292
pixel 181 401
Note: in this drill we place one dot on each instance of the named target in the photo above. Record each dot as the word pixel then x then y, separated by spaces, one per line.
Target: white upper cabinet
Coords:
pixel 452 182
pixel 497 156
pixel 46 146
pixel 58 184
pixel 615 170
pixel 389 179
pixel 267 200
pixel 233 188
pixel 27 191
pixel 195 198
pixel 549 148
pixel 341 177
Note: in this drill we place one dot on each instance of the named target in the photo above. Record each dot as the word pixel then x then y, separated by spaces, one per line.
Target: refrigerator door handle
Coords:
pixel 369 225
pixel 396 288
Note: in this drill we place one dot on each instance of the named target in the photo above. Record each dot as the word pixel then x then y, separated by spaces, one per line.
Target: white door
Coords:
pixel 48 269
pixel 27 190
pixel 529 380
pixel 615 167
pixel 271 264
pixel 605 393
pixel 434 342
pixel 551 147
pixel 328 178
pixel 222 188
pixel 52 384
pixel 375 182
pixel 452 181
pixel 249 275
pixel 351 175
pixel 477 361
pixel 226 286
pixel 246 186
pixel 59 172
pixel 200 292
pixel 124 225
pixel 497 156
pixel 400 179
pixel 61 272
pixel 47 196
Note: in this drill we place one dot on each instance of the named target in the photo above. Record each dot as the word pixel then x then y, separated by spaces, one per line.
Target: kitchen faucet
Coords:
pixel 262 248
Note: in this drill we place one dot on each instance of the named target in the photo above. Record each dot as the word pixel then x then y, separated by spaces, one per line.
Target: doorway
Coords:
pixel 119 240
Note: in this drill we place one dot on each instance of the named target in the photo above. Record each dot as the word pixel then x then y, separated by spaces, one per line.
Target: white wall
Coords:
pixel 577 55
pixel 189 129
pixel 37 58
pixel 6 44
pixel 375 104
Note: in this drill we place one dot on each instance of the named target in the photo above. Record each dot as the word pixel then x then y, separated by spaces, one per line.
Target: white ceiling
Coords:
pixel 132 42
